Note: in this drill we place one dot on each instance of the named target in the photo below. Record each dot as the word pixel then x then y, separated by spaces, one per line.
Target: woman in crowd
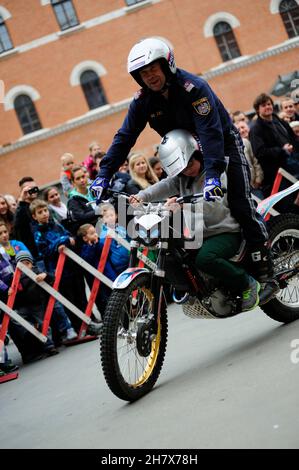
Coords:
pixel 6 214
pixel 58 209
pixel 79 212
pixel 141 173
pixel 155 163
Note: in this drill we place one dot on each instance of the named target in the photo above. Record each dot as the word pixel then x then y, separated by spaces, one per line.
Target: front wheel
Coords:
pixel 284 239
pixel 133 342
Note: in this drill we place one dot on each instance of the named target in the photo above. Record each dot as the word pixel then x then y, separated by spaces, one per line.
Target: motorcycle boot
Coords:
pixel 263 271
pixel 250 296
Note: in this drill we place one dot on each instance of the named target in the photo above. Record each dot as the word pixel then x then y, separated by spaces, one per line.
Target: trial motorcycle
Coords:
pixel 134 336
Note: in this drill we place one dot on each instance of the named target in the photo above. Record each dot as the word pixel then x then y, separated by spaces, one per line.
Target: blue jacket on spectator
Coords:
pixel 48 237
pixel 17 246
pixel 118 254
pixel 6 271
pixel 92 254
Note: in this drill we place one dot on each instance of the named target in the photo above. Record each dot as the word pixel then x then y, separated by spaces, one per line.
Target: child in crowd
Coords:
pixel 48 234
pixel 6 274
pixel 50 238
pixel 67 163
pixel 32 300
pixel 90 162
pixel 11 247
pixel 118 254
pixel 29 347
pixel 91 251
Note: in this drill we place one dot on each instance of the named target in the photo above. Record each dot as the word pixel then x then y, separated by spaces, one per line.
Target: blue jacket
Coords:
pixel 118 254
pixel 118 258
pixel 6 271
pixel 191 105
pixel 17 245
pixel 92 254
pixel 48 237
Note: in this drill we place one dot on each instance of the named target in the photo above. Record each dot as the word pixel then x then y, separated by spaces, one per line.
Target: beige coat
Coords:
pixel 256 171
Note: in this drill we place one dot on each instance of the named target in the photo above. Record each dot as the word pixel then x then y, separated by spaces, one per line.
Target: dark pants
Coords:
pixel 213 258
pixel 240 201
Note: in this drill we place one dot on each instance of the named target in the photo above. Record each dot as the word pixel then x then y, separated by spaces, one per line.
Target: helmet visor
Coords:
pixel 174 163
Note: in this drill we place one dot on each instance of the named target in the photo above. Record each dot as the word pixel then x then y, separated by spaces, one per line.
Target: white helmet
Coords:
pixel 175 150
pixel 147 51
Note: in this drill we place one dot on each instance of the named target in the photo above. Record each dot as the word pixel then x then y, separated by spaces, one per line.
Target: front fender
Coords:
pixel 126 277
pixel 265 206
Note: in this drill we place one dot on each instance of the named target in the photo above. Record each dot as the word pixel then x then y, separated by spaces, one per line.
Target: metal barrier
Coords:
pixel 281 173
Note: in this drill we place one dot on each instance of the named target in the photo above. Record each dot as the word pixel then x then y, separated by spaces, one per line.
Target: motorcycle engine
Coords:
pixel 220 304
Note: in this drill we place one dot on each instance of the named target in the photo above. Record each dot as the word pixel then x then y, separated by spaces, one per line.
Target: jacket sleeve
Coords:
pixel 125 138
pixel 78 214
pixel 263 153
pixel 48 247
pixel 162 190
pixel 208 126
pixel 132 187
pixel 3 286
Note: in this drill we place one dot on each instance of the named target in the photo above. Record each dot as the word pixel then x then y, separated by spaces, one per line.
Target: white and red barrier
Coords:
pixel 55 295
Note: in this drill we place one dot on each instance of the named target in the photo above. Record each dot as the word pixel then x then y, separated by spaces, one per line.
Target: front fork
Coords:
pixel 157 279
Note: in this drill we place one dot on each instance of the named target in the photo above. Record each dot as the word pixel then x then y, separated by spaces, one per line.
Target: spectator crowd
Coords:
pixel 37 225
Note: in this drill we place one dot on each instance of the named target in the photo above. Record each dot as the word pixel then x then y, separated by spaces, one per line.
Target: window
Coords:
pixel 289 12
pixel 226 41
pixel 65 13
pixel 5 41
pixel 92 89
pixel 133 2
pixel 27 114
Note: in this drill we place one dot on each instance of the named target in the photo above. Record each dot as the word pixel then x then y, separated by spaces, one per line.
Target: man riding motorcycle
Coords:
pixel 182 160
pixel 172 98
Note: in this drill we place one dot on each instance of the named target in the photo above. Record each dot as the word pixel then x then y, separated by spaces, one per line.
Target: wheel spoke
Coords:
pixel 133 343
pixel 285 249
pixel 135 313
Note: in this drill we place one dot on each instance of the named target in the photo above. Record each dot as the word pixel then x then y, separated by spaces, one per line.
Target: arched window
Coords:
pixel 92 89
pixel 27 114
pixel 289 12
pixel 226 41
pixel 65 13
pixel 5 41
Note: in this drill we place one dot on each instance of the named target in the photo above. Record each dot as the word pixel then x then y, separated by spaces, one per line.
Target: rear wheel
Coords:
pixel 133 343
pixel 284 238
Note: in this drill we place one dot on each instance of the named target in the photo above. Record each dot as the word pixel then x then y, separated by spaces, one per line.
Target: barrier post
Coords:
pixel 51 302
pixel 10 303
pixel 96 284
pixel 9 376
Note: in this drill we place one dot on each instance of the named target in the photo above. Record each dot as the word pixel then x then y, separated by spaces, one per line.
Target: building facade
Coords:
pixel 63 78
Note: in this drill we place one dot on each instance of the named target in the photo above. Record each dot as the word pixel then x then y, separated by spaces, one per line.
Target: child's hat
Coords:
pixel 24 256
